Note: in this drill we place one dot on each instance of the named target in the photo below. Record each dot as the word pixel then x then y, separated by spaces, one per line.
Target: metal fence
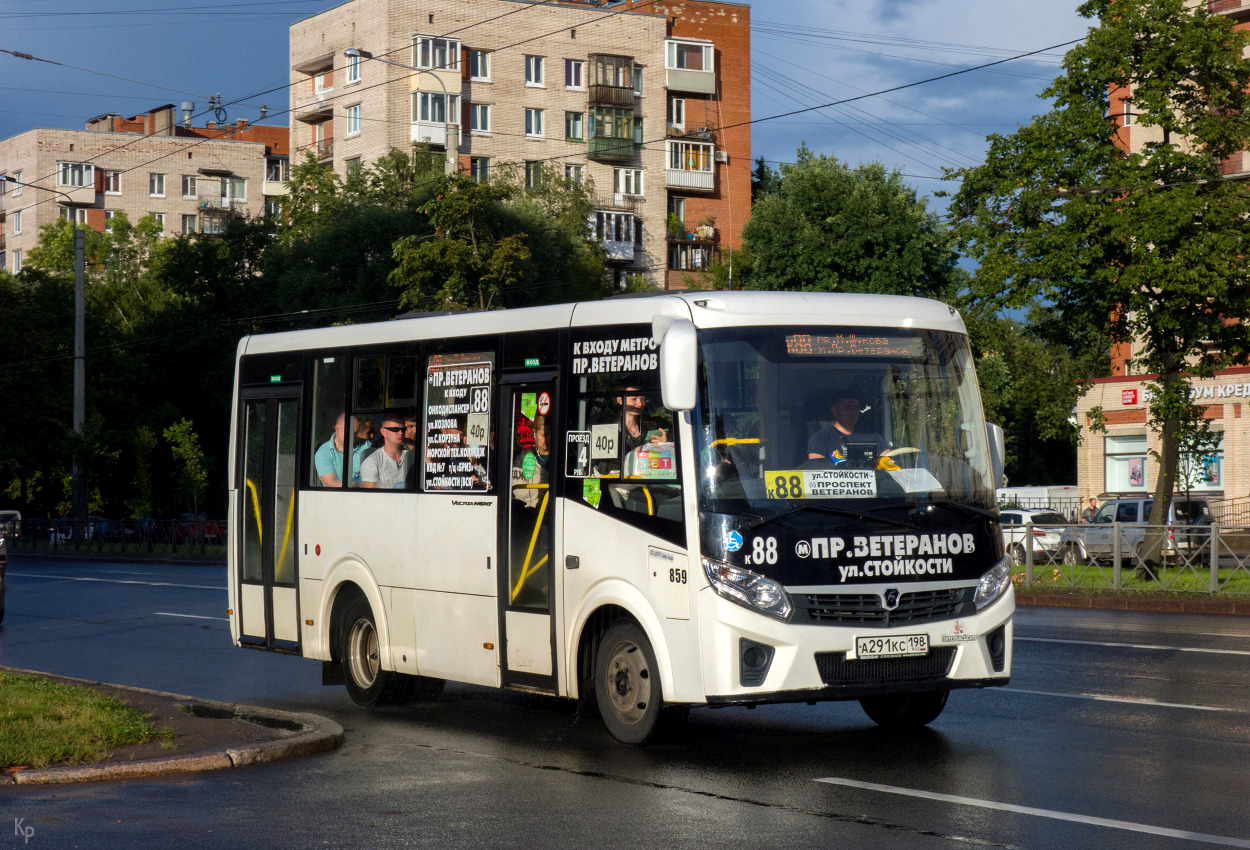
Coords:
pixel 1199 559
pixel 182 538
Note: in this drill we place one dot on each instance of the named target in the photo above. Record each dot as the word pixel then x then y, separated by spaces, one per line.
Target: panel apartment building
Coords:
pixel 630 96
pixel 1119 461
pixel 192 179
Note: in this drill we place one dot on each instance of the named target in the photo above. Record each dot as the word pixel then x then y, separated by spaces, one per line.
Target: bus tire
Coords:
pixel 627 685
pixel 359 654
pixel 905 711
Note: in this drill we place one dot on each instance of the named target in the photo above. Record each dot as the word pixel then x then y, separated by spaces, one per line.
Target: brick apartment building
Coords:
pixel 630 95
pixel 1120 461
pixel 192 179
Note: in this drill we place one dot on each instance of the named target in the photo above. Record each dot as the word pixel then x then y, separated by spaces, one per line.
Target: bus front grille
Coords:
pixel 925 606
pixel 835 669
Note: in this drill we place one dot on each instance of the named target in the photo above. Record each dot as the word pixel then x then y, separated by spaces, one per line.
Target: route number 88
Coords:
pixel 788 488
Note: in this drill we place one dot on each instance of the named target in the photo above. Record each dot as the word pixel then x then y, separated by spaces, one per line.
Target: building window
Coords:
pixel 323 81
pixel 677 207
pixel 273 208
pixel 188 224
pixel 353 120
pixel 615 227
pixel 160 219
pixel 277 169
pixel 17 222
pixel 436 53
pixel 478 167
pixel 77 174
pixel 156 185
pixel 17 178
pixel 433 107
pixel 112 182
pixel 688 57
pixel 479 65
pixel 573 173
pixel 234 188
pixel 1125 462
pixel 611 123
pixel 683 256
pixel 1202 470
pixel 573 128
pixel 479 117
pixel 534 70
pixel 189 186
pixel 108 220
pixel 352 166
pixel 533 174
pixel 638 80
pixel 690 156
pixel 627 181
pixel 353 69
pixel 534 122
pixel 638 131
pixel 78 215
pixel 17 261
pixel 677 113
pixel 574 74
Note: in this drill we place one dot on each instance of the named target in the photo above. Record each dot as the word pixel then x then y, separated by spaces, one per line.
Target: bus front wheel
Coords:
pixel 367 683
pixel 627 686
pixel 905 711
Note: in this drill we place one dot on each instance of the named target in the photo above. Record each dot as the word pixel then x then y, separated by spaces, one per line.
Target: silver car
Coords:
pixel 1094 541
pixel 1046 533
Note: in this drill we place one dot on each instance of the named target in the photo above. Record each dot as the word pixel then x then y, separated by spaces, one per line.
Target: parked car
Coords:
pixel 11 523
pixel 1095 540
pixel 1047 532
pixel 197 528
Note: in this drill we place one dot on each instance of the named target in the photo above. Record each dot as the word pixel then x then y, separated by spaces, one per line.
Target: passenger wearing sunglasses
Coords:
pixel 386 468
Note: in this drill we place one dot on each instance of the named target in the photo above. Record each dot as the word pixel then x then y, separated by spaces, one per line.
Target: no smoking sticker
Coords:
pixel 544 403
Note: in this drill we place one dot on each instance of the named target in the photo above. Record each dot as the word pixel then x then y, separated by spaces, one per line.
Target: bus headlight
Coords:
pixel 748 589
pixel 993 584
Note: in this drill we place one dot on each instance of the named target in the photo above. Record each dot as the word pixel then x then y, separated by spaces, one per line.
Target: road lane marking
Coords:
pixel 1041 813
pixel 120 581
pixel 1129 700
pixel 1137 646
pixel 192 616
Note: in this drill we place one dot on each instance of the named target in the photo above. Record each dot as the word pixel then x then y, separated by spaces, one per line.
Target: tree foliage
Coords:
pixel 822 226
pixel 1145 244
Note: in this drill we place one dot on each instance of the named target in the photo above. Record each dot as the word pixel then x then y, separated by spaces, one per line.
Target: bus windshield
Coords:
pixel 838 418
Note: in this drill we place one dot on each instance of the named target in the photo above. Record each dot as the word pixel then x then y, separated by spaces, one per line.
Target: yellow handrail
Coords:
pixel 526 572
pixel 286 540
pixel 260 537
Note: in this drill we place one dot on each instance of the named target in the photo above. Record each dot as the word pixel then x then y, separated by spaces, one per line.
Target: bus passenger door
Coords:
pixel 268 603
pixel 526 539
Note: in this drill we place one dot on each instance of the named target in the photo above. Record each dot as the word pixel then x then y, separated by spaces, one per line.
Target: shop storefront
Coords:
pixel 1121 459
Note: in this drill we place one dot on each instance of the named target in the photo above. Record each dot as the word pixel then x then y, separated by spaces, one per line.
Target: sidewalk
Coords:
pixel 1205 605
pixel 207 735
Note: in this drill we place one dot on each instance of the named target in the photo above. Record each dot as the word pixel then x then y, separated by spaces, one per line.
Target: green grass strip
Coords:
pixel 44 723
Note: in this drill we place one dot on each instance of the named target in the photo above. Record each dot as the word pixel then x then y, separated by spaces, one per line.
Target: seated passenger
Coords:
pixel 386 468
pixel 329 457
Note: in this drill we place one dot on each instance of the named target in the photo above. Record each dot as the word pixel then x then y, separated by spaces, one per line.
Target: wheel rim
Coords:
pixel 628 682
pixel 1017 556
pixel 362 653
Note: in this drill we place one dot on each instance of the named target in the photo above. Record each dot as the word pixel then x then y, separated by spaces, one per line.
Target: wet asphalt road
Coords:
pixel 1119 730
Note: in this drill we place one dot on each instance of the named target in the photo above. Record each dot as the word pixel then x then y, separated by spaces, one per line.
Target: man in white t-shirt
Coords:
pixel 385 469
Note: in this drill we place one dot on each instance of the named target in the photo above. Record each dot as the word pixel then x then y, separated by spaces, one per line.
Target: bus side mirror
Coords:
pixel 998 451
pixel 679 353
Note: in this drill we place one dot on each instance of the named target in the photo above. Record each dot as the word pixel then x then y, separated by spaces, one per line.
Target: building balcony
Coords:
pixel 322 151
pixel 1238 9
pixel 432 133
pixel 686 80
pixel 700 181
pixel 272 188
pixel 77 195
pixel 612 148
pixel 601 95
pixel 315 107
pixel 618 202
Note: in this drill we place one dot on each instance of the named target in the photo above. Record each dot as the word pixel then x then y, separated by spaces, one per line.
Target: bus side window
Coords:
pixel 363 441
pixel 327 435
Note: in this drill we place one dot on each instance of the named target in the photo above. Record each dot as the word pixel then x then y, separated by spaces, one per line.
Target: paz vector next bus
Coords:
pixel 650 502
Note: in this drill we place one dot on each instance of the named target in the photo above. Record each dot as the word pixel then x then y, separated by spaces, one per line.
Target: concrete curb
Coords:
pixel 1127 603
pixel 317 735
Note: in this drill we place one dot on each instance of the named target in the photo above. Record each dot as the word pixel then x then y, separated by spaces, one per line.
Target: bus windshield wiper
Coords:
pixel 823 508
pixel 962 506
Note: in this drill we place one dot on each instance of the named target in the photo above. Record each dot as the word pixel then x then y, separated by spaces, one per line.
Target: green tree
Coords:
pixel 1148 244
pixel 191 469
pixel 828 227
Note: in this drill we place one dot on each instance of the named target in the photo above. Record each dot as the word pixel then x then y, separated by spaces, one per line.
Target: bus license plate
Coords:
pixel 895 646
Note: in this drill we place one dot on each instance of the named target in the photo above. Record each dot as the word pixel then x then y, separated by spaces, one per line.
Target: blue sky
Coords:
pixel 126 56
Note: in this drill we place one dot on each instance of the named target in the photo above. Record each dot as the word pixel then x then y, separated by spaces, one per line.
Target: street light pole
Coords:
pixel 78 482
pixel 451 131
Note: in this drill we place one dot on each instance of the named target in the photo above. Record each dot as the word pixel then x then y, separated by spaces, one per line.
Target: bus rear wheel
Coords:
pixel 627 687
pixel 905 711
pixel 360 657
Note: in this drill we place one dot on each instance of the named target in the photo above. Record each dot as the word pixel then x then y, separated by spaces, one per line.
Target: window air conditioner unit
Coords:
pixel 721 156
